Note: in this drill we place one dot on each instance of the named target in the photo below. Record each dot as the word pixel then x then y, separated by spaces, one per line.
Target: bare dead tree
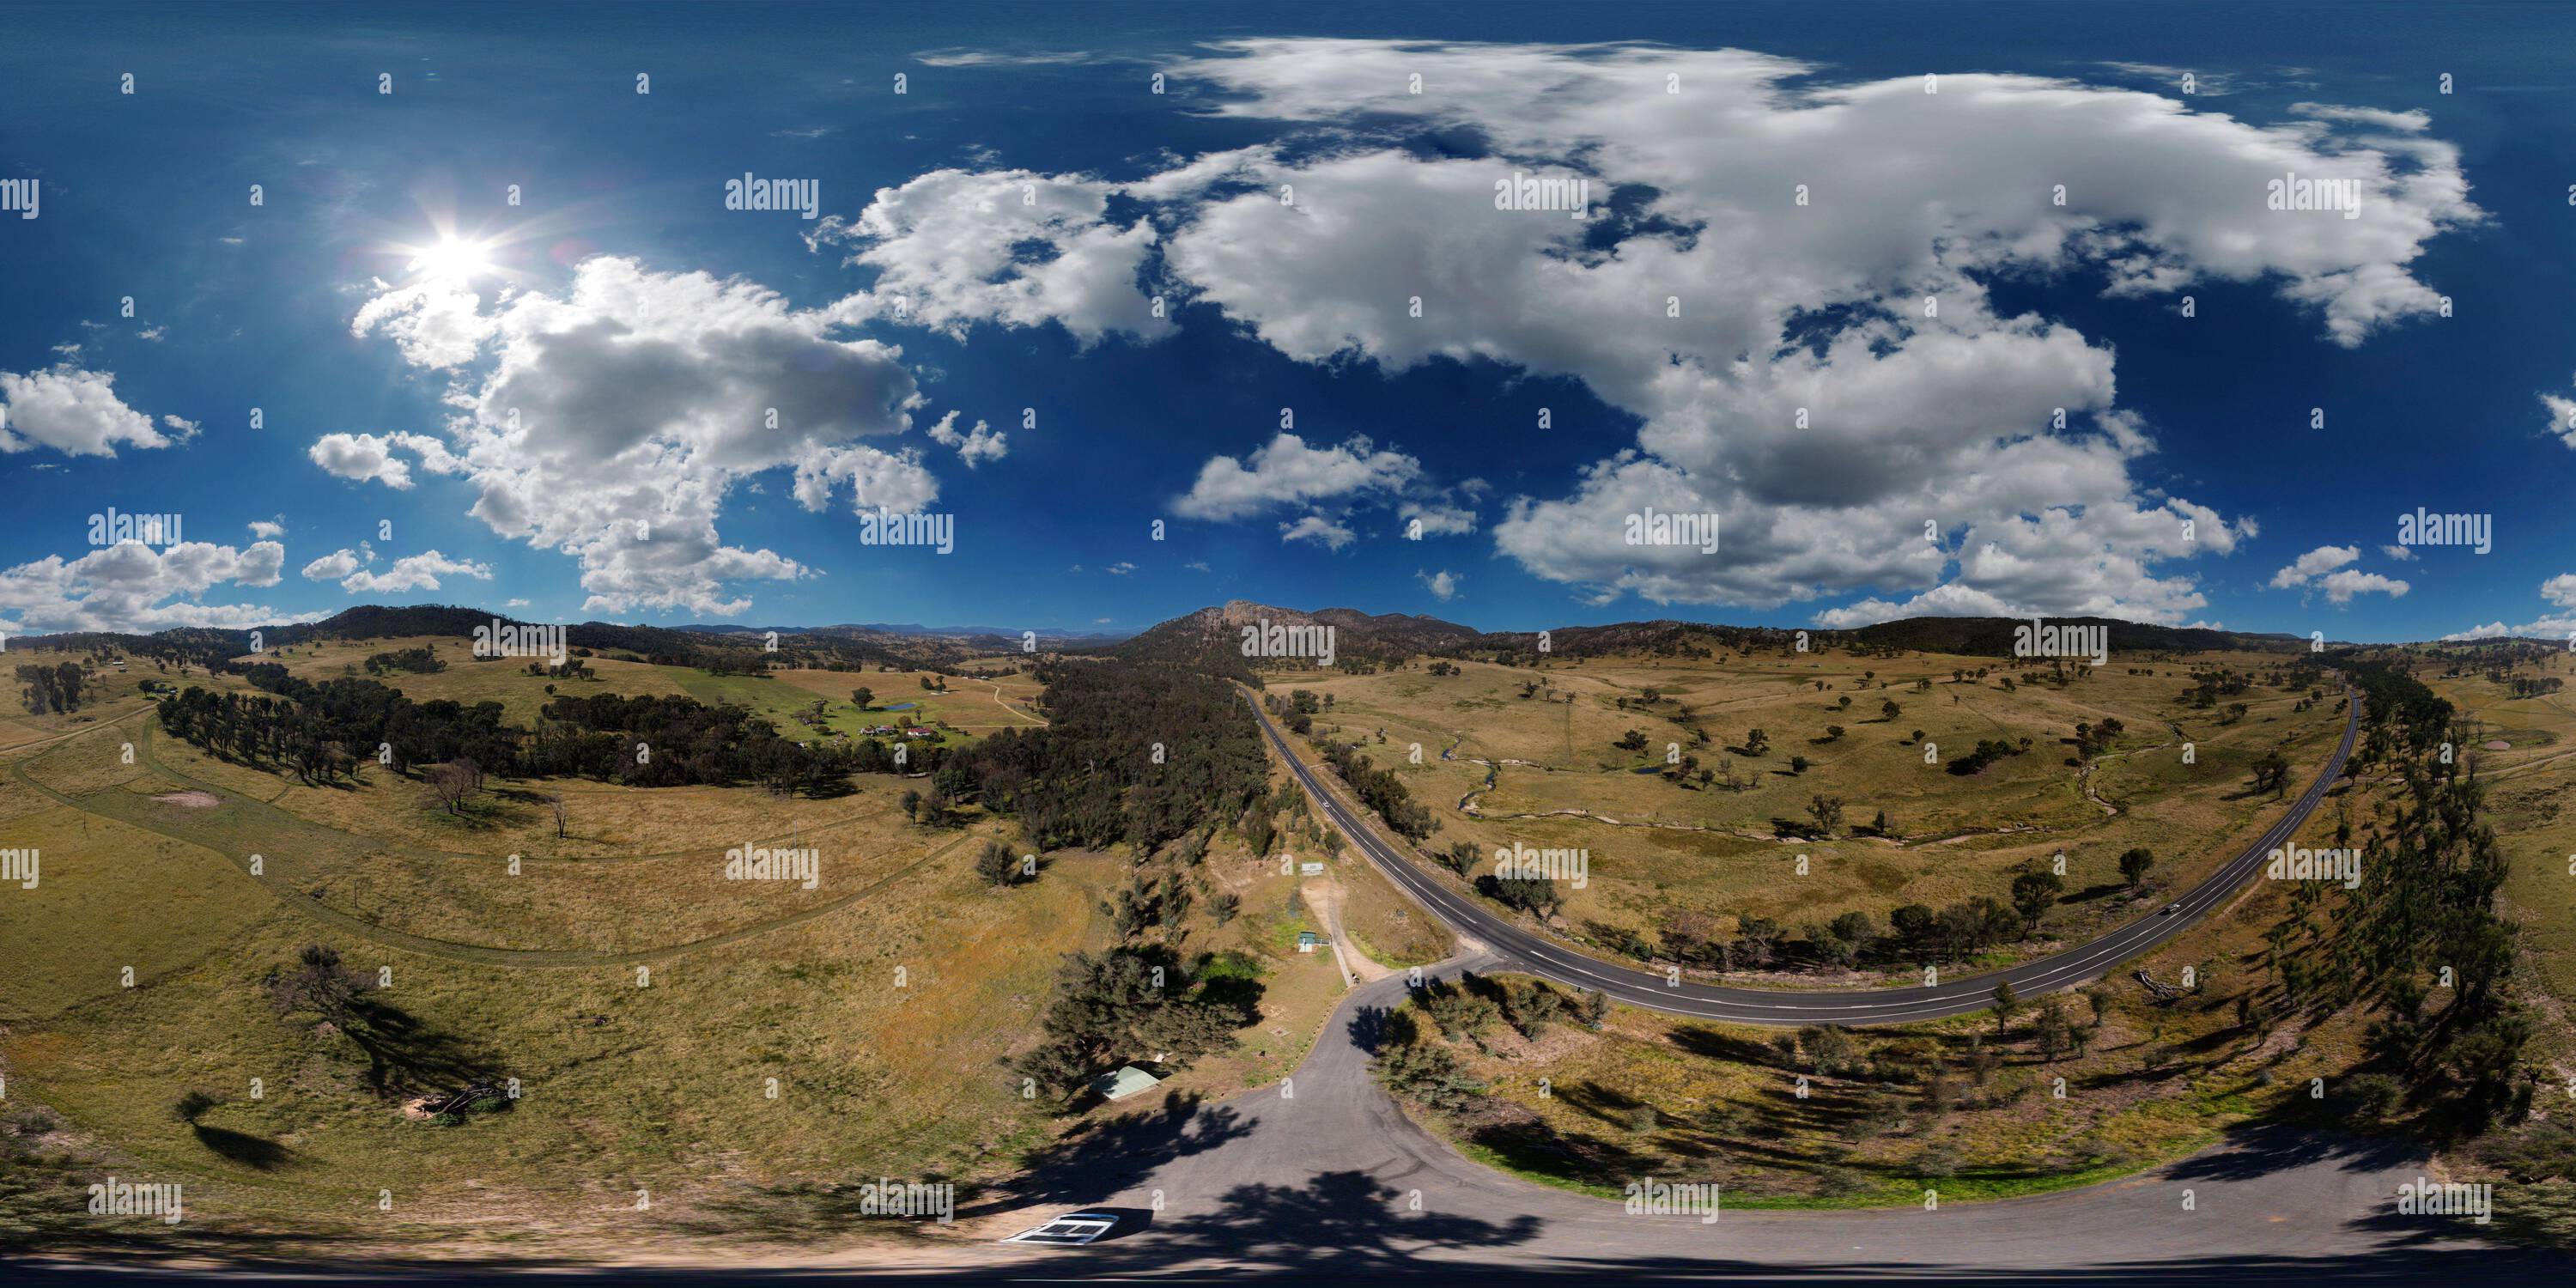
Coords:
pixel 451 783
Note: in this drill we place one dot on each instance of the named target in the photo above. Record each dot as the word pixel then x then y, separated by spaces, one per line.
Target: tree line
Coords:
pixel 1134 752
pixel 325 731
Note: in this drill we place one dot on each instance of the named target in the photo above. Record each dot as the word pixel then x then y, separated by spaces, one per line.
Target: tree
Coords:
pixel 1534 895
pixel 862 697
pixel 2007 1005
pixel 318 984
pixel 2032 893
pixel 1889 710
pixel 1427 1073
pixel 1833 733
pixel 2134 864
pixel 1126 1000
pixel 911 804
pixel 451 783
pixel 2055 1036
pixel 2272 773
pixel 1225 905
pixel 1755 743
pixel 555 806
pixel 1827 811
pixel 1460 858
pixel 1460 1009
pixel 1797 764
pixel 1529 1007
pixel 997 865
pixel 1829 1049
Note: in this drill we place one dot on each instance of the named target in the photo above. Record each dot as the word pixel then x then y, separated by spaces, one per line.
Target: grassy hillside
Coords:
pixel 1548 770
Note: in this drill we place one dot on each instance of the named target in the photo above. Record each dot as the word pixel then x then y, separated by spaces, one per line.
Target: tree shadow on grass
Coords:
pixel 250 1151
pixel 1723 1046
pixel 1609 1104
pixel 406 1054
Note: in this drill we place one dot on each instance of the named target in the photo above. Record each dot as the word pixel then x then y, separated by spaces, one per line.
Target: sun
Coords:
pixel 453 259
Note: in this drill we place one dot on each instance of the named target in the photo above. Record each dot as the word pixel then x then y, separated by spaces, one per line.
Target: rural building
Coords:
pixel 1126 1082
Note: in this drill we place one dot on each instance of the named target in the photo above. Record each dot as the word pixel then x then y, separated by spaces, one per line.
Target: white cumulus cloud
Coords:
pixel 75 412
pixel 2315 563
pixel 611 419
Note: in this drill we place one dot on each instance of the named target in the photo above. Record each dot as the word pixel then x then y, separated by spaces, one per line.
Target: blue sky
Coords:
pixel 1108 281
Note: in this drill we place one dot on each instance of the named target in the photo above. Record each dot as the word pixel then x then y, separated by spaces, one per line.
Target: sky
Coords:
pixel 1083 317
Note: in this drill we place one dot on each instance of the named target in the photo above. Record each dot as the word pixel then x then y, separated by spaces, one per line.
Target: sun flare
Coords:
pixel 451 258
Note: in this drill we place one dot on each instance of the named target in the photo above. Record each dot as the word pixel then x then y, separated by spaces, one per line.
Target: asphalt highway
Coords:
pixel 1528 951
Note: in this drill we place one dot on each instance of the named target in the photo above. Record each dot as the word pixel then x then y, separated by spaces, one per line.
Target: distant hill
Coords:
pixel 1993 636
pixel 914 631
pixel 1211 639
pixel 1663 637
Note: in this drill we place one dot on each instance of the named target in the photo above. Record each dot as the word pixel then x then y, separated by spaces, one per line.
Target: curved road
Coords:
pixel 1326 1176
pixel 1323 1176
pixel 1520 949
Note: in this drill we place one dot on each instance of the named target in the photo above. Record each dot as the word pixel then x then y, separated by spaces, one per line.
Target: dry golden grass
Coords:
pixel 1654 845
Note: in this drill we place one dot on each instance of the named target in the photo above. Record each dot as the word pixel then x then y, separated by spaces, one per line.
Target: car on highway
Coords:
pixel 1072 1230
pixel 2170 909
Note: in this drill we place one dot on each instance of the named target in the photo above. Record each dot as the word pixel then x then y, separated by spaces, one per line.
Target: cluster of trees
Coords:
pixel 2534 686
pixel 669 740
pixel 1915 933
pixel 1136 752
pixel 2425 908
pixel 423 660
pixel 2209 686
pixel 1135 999
pixel 1427 1072
pixel 1380 790
pixel 51 688
pixel 2092 739
pixel 1989 750
pixel 1297 711
pixel 325 731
